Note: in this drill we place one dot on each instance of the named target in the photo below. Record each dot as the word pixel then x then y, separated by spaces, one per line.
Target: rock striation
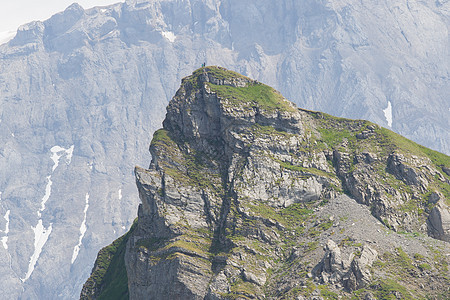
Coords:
pixel 232 201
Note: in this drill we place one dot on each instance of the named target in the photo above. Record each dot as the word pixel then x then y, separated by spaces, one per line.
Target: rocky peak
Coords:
pixel 65 20
pixel 214 108
pixel 234 194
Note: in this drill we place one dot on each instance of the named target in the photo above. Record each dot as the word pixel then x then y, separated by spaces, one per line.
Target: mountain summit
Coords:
pixel 249 197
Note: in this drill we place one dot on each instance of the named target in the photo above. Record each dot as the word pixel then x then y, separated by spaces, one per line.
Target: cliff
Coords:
pixel 248 197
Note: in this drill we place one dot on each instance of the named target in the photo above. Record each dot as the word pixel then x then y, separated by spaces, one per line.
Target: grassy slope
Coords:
pixel 109 278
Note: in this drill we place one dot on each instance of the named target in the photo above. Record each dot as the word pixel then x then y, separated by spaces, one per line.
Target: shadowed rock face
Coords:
pixel 100 80
pixel 235 191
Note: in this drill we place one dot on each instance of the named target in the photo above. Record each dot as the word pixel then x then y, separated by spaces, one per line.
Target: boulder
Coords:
pixel 439 222
pixel 359 274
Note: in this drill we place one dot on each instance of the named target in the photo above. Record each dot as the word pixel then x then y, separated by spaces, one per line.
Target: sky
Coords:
pixel 14 13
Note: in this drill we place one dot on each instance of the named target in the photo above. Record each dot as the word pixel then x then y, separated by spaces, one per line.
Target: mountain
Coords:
pixel 82 93
pixel 249 197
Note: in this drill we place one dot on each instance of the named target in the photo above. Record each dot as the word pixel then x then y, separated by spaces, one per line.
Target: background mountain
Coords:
pixel 82 93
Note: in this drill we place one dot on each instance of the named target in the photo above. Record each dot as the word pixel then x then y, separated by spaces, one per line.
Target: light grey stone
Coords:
pixel 439 222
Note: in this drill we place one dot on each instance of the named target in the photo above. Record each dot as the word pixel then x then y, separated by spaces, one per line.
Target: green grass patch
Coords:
pixel 270 131
pixel 109 279
pixel 306 172
pixel 221 73
pixel 162 137
pixel 418 256
pixel 397 263
pixel 333 138
pixel 290 216
pixel 424 267
pixel 197 170
pixel 199 246
pixel 388 289
pixel 325 292
pixel 242 288
pixel 203 172
pixel 406 145
pixel 151 244
pixel 253 95
pixel 311 246
pixel 404 260
pixel 216 72
pixel 349 242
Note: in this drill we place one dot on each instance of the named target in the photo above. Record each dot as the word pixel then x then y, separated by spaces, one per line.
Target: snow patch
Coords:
pixel 170 36
pixel 58 152
pixel 41 235
pixel 48 192
pixel 83 229
pixel 388 114
pixel 5 237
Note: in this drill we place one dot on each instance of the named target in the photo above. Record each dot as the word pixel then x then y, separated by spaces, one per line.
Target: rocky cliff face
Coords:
pixel 82 92
pixel 244 190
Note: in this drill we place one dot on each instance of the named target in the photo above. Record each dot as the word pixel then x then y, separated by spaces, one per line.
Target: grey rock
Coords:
pixel 353 274
pixel 416 172
pixel 396 165
pixel 259 279
pixel 434 198
pixel 359 274
pixel 334 262
pixel 439 221
pixel 369 296
pixel 364 134
pixel 218 287
pixel 446 170
pixel 331 268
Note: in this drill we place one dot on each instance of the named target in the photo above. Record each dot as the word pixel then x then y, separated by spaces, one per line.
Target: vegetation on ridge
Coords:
pixel 253 94
pixel 109 278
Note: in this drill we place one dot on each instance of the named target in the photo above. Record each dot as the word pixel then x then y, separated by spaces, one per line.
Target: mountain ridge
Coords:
pixel 241 190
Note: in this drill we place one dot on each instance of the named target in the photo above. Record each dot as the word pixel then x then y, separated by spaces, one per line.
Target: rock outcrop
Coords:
pixel 352 273
pixel 439 222
pixel 238 177
pixel 359 275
